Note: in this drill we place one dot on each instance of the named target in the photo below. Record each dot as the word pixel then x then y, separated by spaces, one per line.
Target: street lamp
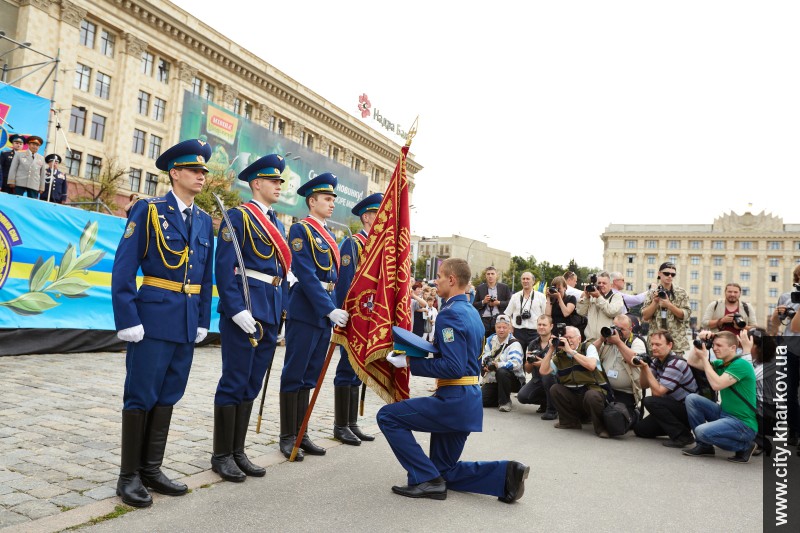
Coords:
pixel 473 242
pixel 19 45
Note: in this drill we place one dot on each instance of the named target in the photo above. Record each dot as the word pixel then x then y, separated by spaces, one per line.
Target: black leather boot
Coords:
pixel 352 418
pixel 153 454
pixel 341 410
pixel 302 406
pixel 288 405
pixel 240 433
pixel 129 485
pixel 222 459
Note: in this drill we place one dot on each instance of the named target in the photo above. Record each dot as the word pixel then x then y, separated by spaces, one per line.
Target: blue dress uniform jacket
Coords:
pixel 58 194
pixel 450 414
pixel 308 328
pixel 158 366
pixel 243 367
pixel 350 251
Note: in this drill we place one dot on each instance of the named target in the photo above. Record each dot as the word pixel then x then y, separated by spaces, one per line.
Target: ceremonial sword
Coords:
pixel 242 273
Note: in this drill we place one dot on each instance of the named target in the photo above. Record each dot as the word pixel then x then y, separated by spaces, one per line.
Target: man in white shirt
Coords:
pixel 524 309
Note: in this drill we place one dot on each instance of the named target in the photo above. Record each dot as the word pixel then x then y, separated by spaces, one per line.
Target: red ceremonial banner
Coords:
pixel 379 294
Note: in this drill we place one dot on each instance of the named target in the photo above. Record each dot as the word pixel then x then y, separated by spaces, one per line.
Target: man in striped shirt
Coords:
pixel 670 379
pixel 502 366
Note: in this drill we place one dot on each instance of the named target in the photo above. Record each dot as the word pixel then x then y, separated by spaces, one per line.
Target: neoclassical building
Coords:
pixel 757 251
pixel 135 76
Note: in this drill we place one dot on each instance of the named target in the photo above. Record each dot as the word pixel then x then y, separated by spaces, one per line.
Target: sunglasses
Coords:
pixel 670 274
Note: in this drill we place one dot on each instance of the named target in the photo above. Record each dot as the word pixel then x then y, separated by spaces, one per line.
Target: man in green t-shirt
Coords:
pixel 731 425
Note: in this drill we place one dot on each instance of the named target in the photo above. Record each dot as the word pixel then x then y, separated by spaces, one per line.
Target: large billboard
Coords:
pixel 237 142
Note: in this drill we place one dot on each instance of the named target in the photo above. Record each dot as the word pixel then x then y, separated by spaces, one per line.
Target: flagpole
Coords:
pixel 302 431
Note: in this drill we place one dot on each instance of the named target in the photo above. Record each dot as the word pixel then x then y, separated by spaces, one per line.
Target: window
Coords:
pixel 717 276
pixel 209 92
pixel 163 70
pixel 745 245
pixel 774 261
pixel 248 111
pixel 82 75
pixel 718 245
pixel 333 153
pixel 773 278
pixel 695 245
pixel 237 106
pixel 376 178
pixel 73 161
pixel 143 103
pixel 717 290
pixel 87 33
pixel 651 260
pixel 674 245
pixel 797 245
pixel 629 273
pixel 694 289
pixel 745 291
pixel 77 120
pixel 773 293
pixel 281 127
pixel 673 259
pixel 628 286
pixel 695 260
pixel 744 276
pixel 651 244
pixel 630 244
pixel 93 166
pixel 356 164
pixel 774 245
pixel 693 305
pixel 98 129
pixel 135 175
pixel 102 86
pixel 155 147
pixel 745 261
pixel 197 84
pixel 138 142
pixel 271 125
pixel 147 63
pixel 717 261
pixel 694 274
pixel 159 109
pixel 150 184
pixel 651 273
pixel 107 43
pixel 310 142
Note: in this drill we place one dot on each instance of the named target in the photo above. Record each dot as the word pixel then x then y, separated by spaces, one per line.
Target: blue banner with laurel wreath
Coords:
pixel 55 266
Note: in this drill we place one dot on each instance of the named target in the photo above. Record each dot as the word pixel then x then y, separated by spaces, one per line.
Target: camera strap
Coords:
pixel 522 303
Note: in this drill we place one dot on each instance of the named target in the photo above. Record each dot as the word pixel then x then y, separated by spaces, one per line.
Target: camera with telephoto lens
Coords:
pixel 488 362
pixel 552 290
pixel 708 343
pixel 607 332
pixel 558 342
pixel 591 287
pixel 755 335
pixel 795 295
pixel 740 322
pixel 533 356
pixel 642 358
pixel 560 329
pixel 789 313
pixel 661 293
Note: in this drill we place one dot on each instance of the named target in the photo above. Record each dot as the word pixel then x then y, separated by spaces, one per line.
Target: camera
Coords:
pixel 788 313
pixel 492 298
pixel 740 322
pixel 533 356
pixel 607 332
pixel 795 294
pixel 755 335
pixel 708 343
pixel 591 287
pixel 552 289
pixel 661 293
pixel 560 329
pixel 642 358
pixel 526 314
pixel 558 342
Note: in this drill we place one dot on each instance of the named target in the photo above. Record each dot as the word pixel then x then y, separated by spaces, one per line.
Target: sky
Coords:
pixel 541 123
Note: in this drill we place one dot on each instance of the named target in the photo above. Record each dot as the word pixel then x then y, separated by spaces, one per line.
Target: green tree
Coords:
pixel 220 185
pixel 419 267
pixel 103 188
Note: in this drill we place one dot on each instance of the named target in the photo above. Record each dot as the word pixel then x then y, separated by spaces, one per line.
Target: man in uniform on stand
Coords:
pixel 267 259
pixel 26 175
pixel 312 310
pixel 172 241
pixel 17 143
pixel 55 181
pixel 346 383
pixel 454 411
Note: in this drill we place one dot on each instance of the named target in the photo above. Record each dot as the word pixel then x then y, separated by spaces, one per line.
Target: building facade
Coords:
pixel 758 252
pixel 125 69
pixel 477 253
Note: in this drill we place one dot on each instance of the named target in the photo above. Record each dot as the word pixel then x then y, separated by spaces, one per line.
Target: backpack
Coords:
pixel 703 386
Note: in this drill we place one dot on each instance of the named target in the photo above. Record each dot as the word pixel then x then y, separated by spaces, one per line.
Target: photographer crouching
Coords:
pixel 617 347
pixel 579 393
pixel 537 390
pixel 501 366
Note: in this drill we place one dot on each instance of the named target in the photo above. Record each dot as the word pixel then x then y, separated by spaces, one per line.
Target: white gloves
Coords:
pixel 134 334
pixel 398 361
pixel 201 334
pixel 339 317
pixel 245 320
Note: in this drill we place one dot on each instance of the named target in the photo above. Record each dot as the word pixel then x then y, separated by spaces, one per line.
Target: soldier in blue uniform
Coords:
pixel 172 241
pixel 267 258
pixel 312 310
pixel 55 181
pixel 346 383
pixel 455 410
pixel 17 144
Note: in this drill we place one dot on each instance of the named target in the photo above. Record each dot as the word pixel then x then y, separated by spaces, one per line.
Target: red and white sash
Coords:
pixel 327 236
pixel 361 238
pixel 278 241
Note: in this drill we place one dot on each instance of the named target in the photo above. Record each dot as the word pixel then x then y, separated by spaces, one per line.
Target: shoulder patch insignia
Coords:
pixel 130 229
pixel 297 244
pixel 448 335
pixel 226 234
pixel 345 260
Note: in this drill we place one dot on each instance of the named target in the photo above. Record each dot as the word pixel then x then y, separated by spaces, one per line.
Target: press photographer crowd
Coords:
pixel 584 358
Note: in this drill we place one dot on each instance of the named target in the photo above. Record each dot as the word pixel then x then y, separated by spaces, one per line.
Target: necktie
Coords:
pixel 188 220
pixel 272 217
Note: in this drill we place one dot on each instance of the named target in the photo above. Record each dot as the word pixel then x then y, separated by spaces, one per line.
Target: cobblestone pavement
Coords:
pixel 60 430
